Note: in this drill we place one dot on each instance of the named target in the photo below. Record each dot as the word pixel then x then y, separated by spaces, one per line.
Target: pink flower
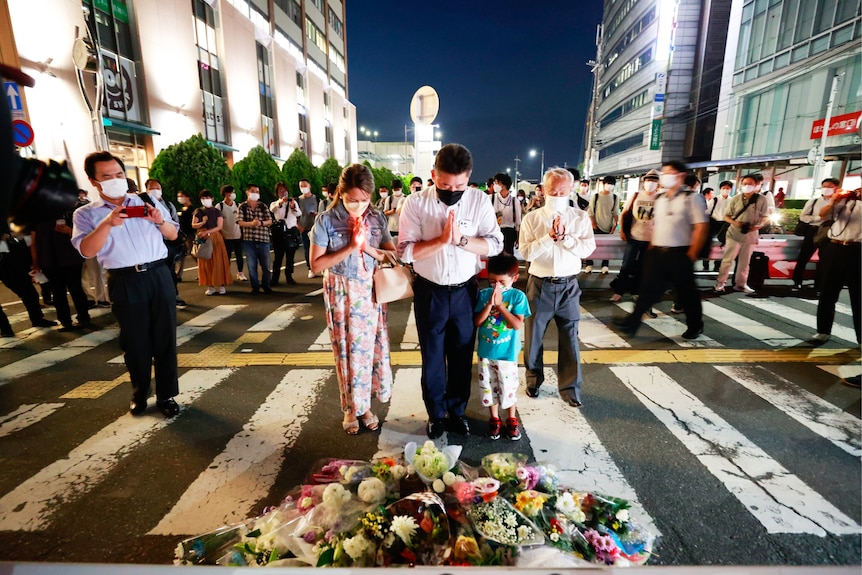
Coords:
pixel 464 492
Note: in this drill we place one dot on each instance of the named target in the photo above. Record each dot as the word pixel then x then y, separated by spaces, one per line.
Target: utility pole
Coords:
pixel 517 161
pixel 593 121
pixel 821 148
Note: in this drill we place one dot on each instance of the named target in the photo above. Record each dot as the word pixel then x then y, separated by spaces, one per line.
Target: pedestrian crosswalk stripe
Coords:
pixel 281 317
pixel 322 343
pixel 593 333
pixel 840 308
pixel 33 333
pixel 817 414
pixel 561 435
pixel 672 329
pixel 198 324
pixel 798 316
pixel 406 418
pixel 57 354
pixel 842 371
pixel 25 416
pixel 31 505
pixel 245 471
pixel 768 335
pixel 779 500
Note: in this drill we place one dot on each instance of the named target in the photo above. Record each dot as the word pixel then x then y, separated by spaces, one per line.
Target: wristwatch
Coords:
pixel 462 242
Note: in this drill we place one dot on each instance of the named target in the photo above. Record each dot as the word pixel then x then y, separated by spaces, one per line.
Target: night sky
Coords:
pixel 511 75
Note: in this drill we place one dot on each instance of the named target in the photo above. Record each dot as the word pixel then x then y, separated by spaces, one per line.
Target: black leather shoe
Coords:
pixel 459 425
pixel 44 323
pixel 569 397
pixel 266 289
pixel 533 391
pixel 168 407
pixel 692 333
pixel 137 406
pixel 625 325
pixel 7 333
pixel 290 281
pixel 435 428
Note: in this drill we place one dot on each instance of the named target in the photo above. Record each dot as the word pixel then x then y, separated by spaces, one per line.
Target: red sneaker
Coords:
pixel 513 429
pixel 494 427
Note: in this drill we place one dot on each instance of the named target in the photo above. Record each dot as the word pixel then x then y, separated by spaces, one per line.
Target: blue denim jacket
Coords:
pixel 333 229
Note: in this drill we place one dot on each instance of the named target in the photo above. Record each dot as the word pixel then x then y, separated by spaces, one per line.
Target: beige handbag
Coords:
pixel 392 282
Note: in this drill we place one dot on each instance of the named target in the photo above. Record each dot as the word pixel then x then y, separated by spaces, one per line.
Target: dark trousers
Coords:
pixel 444 323
pixel 805 252
pixel 63 279
pixel 510 236
pixel 842 266
pixel 631 269
pixel 284 249
pixel 20 283
pixel 235 247
pixel 257 253
pixel 145 307
pixel 663 265
pixel 562 303
pixel 306 247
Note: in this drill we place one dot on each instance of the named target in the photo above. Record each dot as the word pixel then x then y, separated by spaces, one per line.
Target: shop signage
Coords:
pixel 838 125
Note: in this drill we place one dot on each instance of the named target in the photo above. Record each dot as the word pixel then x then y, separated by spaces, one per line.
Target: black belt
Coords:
pixel 665 249
pixel 451 287
pixel 137 268
pixel 844 242
pixel 557 279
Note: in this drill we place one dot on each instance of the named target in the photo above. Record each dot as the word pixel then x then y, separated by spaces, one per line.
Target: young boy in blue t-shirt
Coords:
pixel 499 315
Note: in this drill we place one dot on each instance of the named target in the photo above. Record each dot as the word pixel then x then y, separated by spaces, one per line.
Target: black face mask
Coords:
pixel 449 197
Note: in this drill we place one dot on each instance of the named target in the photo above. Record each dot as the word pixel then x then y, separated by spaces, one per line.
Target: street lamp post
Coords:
pixel 517 161
pixel 542 170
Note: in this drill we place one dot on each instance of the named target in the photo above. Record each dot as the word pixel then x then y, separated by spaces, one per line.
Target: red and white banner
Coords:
pixel 843 124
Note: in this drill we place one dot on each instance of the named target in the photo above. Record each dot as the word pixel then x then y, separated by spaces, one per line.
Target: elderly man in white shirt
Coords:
pixel 554 239
pixel 443 231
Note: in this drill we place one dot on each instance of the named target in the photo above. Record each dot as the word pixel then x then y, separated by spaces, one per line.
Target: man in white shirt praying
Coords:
pixel 554 239
pixel 443 230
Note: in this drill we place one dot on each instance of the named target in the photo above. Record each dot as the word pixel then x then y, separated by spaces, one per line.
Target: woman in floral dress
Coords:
pixel 215 271
pixel 348 241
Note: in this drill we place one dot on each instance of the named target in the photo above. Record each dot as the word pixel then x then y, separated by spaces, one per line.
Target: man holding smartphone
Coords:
pixel 128 237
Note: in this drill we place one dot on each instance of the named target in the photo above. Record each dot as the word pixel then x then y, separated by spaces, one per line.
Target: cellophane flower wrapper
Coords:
pixel 504 466
pixel 430 462
pixel 207 548
pixel 266 539
pixel 344 471
pixel 419 532
pixel 498 521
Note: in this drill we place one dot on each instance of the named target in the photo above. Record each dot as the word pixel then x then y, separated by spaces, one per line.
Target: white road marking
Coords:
pixel 750 327
pixel 798 316
pixel 671 328
pixel 322 343
pixel 842 371
pixel 55 355
pixel 411 336
pixel 281 317
pixel 243 473
pixel 561 435
pixel 314 293
pixel 198 324
pixel 815 413
pixel 595 334
pixel 778 499
pixel 36 332
pixel 25 416
pixel 30 506
pixel 407 417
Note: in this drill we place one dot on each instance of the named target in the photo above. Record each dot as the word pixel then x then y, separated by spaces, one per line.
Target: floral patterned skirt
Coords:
pixel 360 341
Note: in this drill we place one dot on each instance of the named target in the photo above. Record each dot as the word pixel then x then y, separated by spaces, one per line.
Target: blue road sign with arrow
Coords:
pixel 13 94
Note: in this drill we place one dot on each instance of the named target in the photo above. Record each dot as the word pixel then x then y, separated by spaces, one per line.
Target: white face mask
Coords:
pixel 497 188
pixel 397 192
pixel 384 194
pixel 305 190
pixel 584 190
pixel 115 187
pixel 650 186
pixel 182 200
pixel 669 180
pixel 725 192
pixel 231 196
pixel 155 192
pixel 827 191
pixel 558 203
pixel 609 187
pixel 356 208
pixel 207 202
pixel 254 196
pixel 748 189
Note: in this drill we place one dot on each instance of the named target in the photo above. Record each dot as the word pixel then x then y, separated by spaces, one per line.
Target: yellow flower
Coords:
pixel 466 548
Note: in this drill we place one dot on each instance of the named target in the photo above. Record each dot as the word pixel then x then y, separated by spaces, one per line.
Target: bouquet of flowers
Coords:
pixel 429 462
pixel 418 533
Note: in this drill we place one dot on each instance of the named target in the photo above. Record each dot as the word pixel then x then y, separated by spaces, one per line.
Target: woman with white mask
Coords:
pixel 208 222
pixel 347 242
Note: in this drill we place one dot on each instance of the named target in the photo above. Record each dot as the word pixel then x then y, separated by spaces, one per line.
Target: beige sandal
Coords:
pixel 370 421
pixel 351 427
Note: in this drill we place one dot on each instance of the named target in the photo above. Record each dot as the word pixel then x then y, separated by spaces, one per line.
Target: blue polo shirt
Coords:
pixel 496 339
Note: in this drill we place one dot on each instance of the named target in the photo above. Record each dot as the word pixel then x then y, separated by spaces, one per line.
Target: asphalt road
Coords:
pixel 740 448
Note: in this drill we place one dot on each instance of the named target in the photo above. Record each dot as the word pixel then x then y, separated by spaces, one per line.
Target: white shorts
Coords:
pixel 498 380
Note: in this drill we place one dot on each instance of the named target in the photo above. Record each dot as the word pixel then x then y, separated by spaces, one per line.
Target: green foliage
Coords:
pixel 329 172
pixel 257 167
pixel 296 167
pixel 190 166
pixel 382 177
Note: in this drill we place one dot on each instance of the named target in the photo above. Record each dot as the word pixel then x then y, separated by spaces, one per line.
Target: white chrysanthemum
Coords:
pixel 438 486
pixel 335 495
pixel 356 546
pixel 460 479
pixel 404 527
pixel 524 532
pixel 448 478
pixel 398 472
pixel 372 490
pixel 429 446
pixel 566 504
pixel 623 515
